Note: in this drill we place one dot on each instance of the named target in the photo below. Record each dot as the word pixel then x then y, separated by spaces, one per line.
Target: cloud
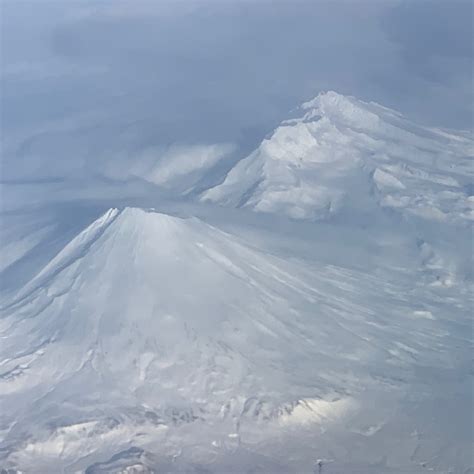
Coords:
pixel 434 39
pixel 165 75
pixel 178 167
pixel 44 70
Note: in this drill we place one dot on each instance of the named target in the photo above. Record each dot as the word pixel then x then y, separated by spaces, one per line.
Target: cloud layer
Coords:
pixel 86 81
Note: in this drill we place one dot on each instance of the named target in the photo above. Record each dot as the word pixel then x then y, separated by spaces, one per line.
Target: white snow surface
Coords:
pixel 342 154
pixel 331 333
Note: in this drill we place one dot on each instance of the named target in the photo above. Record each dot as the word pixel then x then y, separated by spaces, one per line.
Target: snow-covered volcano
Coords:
pixel 243 342
pixel 149 330
pixel 342 154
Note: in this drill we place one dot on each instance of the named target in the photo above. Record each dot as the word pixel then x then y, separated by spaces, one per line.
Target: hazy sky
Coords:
pixel 86 80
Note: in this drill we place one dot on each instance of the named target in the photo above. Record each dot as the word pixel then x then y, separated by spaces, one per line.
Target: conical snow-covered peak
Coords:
pixel 149 328
pixel 343 154
pixel 142 223
pixel 127 229
pixel 174 320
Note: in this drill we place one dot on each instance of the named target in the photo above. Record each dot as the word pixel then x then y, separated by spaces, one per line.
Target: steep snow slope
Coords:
pixel 342 155
pixel 163 343
pixel 31 237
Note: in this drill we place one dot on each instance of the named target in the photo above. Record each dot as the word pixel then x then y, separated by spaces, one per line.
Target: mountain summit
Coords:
pixel 342 154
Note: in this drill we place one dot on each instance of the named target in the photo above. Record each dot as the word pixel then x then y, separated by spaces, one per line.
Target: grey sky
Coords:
pixel 84 80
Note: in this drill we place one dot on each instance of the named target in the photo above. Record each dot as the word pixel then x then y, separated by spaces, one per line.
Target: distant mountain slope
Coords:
pixel 344 155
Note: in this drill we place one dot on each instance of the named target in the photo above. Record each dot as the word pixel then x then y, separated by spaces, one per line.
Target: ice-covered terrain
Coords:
pixel 334 325
pixel 344 155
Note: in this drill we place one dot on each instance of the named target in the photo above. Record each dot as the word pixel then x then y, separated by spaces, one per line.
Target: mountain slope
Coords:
pixel 153 339
pixel 157 343
pixel 343 155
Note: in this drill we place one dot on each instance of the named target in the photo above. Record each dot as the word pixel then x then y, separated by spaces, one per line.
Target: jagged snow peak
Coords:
pixel 345 155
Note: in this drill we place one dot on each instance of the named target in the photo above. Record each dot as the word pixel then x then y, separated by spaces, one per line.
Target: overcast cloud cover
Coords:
pixel 88 86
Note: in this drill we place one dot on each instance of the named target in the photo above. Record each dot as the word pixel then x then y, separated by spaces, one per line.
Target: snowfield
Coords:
pixel 313 306
pixel 342 154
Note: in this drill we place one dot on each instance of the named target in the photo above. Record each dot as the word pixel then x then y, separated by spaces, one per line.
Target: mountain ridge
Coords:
pixel 340 155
